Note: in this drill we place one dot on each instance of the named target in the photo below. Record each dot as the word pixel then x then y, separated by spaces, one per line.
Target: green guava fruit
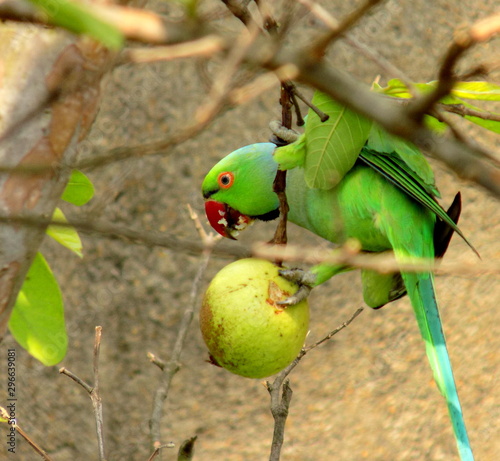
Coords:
pixel 245 331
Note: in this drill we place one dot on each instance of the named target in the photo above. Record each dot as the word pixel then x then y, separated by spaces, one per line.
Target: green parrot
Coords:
pixel 381 202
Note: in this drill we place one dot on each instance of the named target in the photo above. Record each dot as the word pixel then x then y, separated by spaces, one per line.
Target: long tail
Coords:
pixel 421 290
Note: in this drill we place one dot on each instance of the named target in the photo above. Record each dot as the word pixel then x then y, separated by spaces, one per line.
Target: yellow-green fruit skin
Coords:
pixel 244 329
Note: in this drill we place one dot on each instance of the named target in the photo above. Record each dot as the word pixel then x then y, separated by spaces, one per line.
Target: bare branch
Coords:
pixel 370 53
pixel 93 392
pixel 5 415
pixel 134 23
pixel 318 48
pixel 170 368
pixel 331 334
pixel 464 111
pixel 239 10
pixel 346 255
pixel 479 32
pixel 280 405
pixel 76 379
pixel 204 46
pixel 279 409
pixel 156 451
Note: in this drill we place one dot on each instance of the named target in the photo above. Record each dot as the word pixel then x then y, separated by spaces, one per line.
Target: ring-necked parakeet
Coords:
pixel 380 201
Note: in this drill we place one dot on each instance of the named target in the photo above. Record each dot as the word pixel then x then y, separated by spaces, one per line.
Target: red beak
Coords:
pixel 225 220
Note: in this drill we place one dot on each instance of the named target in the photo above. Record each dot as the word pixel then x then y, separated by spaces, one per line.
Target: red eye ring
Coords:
pixel 225 179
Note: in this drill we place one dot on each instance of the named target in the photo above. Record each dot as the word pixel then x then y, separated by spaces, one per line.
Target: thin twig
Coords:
pixel 93 392
pixel 322 116
pixel 464 111
pixel 331 334
pixel 170 368
pixel 5 415
pixel 280 406
pixel 204 46
pixel 239 10
pixel 156 451
pixel 76 379
pixel 33 444
pixel 101 158
pixel 222 83
pixel 439 112
pixel 318 48
pixel 96 396
pixel 479 32
pixel 370 53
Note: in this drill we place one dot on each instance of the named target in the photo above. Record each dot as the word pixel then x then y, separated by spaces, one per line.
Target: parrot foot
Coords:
pixel 286 134
pixel 304 279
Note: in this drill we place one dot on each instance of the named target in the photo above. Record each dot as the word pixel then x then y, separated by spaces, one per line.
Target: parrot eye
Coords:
pixel 225 180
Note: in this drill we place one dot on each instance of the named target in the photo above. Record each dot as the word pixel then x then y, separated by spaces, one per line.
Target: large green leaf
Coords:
pixel 79 18
pixel 37 320
pixel 79 189
pixel 65 235
pixel 332 146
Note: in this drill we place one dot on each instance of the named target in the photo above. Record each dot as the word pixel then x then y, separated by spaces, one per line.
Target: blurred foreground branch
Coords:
pixel 266 52
pixel 348 254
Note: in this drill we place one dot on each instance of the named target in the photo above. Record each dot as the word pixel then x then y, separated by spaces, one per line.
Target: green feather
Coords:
pixel 395 170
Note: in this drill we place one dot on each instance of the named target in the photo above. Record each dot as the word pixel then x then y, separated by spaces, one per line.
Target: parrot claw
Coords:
pixel 301 294
pixel 286 134
pixel 304 279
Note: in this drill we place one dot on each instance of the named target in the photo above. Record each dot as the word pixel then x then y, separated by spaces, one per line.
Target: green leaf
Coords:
pixel 477 90
pixel 79 189
pixel 332 146
pixel 397 89
pixel 291 155
pixel 469 90
pixel 492 125
pixel 80 19
pixel 37 320
pixel 66 236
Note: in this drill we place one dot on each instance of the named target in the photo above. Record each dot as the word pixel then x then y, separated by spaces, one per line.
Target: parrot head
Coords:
pixel 239 189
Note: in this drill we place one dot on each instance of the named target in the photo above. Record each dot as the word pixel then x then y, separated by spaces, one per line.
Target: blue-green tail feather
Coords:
pixel 422 294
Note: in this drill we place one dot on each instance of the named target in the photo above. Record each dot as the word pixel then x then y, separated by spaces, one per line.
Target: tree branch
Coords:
pixel 40 451
pixel 280 405
pixel 479 32
pixel 93 392
pixel 170 368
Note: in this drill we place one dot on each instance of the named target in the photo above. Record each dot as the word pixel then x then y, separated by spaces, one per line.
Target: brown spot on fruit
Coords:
pixel 239 321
